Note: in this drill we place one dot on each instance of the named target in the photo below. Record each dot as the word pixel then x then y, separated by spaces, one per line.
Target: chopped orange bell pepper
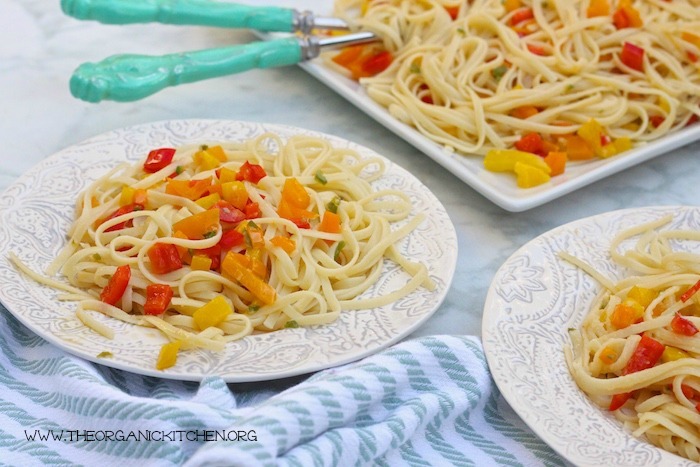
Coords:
pixel 626 16
pixel 295 194
pixel 253 234
pixel 556 161
pixel 598 8
pixel 195 227
pixel 608 355
pixel 330 223
pixel 190 189
pixel 286 243
pixel 287 211
pixel 577 149
pixel 181 249
pixel 235 266
pixel 523 112
pixel 512 5
pixel 626 313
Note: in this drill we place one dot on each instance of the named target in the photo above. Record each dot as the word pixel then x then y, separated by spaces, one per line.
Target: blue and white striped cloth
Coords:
pixel 425 402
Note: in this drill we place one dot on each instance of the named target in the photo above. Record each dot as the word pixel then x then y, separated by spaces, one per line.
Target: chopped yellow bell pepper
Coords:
pixel 235 193
pixel 208 201
pixel 200 263
pixel 227 175
pixel 672 354
pixel 642 295
pixel 212 313
pixel 504 160
pixel 591 132
pixel 207 161
pixel 529 176
pixel 167 356
pixel 210 157
pixel 127 196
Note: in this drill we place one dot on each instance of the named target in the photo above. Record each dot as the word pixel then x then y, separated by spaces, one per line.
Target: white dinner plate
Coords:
pixel 535 297
pixel 498 187
pixel 36 211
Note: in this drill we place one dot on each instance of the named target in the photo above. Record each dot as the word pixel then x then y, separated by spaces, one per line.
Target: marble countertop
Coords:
pixel 40 47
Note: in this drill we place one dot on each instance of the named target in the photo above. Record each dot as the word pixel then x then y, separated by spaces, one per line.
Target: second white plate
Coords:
pixel 534 298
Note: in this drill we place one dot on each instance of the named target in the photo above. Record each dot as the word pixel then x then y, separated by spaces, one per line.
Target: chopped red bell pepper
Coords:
pixel 656 120
pixel 618 400
pixel 536 49
pixel 377 63
pixel 158 298
pixel 646 355
pixel 230 239
pixel 632 56
pixel 531 142
pixel 164 258
pixel 157 159
pixel 683 326
pixel 301 223
pixel 687 391
pixel 119 212
pixel 252 210
pixel 229 213
pixel 251 172
pixel 116 286
pixel 453 11
pixel 690 292
pixel 521 15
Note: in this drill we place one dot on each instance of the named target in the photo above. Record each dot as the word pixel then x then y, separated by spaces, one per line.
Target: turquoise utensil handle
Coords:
pixel 193 12
pixel 126 78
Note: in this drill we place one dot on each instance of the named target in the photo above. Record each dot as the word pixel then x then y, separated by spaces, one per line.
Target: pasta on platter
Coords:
pixel 577 78
pixel 637 352
pixel 212 243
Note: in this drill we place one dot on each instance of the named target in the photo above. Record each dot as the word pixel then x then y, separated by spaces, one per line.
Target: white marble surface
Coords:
pixel 40 47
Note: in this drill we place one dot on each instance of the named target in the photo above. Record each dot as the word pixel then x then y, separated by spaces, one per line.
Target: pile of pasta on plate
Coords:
pixel 530 85
pixel 210 243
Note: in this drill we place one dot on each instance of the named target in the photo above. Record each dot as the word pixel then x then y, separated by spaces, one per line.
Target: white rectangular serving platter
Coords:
pixel 498 188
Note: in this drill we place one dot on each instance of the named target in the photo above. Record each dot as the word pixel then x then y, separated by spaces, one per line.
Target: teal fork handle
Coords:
pixel 129 77
pixel 192 12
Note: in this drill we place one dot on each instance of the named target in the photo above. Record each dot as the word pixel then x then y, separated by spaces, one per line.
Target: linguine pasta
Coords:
pixel 637 352
pixel 242 238
pixel 477 75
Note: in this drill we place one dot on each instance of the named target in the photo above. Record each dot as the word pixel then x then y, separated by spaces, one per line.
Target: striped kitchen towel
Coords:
pixel 427 402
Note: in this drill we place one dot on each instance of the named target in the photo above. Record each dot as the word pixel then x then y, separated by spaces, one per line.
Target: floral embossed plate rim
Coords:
pixel 36 211
pixel 533 300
